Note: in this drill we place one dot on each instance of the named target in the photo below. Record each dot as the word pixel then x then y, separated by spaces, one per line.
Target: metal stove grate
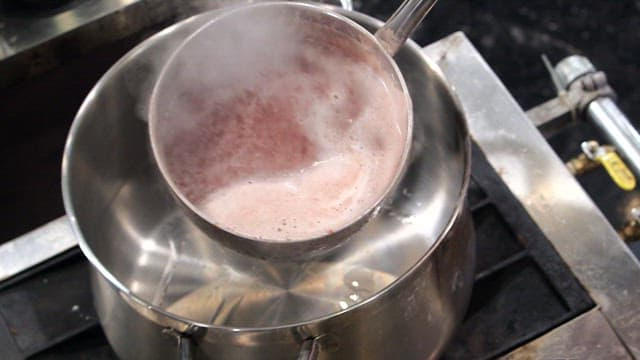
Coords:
pixel 522 287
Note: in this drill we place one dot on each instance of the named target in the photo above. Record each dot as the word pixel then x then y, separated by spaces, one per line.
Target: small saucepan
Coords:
pixel 281 127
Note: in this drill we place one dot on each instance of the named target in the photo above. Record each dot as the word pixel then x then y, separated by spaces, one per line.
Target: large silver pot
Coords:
pixel 162 288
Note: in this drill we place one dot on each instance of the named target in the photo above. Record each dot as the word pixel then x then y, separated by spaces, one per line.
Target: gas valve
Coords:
pixel 585 93
pixel 594 155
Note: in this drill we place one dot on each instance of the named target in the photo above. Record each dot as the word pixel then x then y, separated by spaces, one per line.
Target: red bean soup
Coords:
pixel 282 136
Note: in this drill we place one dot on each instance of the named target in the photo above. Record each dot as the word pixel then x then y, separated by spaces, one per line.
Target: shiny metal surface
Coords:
pixel 617 129
pixel 588 336
pixel 162 117
pixel 540 181
pixel 411 320
pixel 23 32
pixel 411 265
pixel 34 42
pixel 402 23
pixel 602 110
pixel 551 111
pixel 571 68
pixel 93 15
pixel 310 349
pixel 35 247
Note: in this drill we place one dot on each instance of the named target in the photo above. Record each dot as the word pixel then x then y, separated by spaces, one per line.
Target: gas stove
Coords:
pixel 554 200
pixel 522 289
pixel 553 278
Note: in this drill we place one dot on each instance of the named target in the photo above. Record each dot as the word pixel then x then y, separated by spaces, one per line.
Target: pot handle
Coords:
pixel 185 343
pixel 310 349
pixel 185 348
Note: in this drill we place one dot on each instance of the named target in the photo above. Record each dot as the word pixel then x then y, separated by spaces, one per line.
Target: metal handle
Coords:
pixel 402 23
pixel 346 4
pixel 185 348
pixel 186 345
pixel 310 349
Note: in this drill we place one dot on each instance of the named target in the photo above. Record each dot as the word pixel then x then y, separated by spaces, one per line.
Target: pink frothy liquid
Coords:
pixel 300 145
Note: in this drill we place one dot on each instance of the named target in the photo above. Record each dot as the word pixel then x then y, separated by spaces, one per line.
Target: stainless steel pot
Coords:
pixel 162 288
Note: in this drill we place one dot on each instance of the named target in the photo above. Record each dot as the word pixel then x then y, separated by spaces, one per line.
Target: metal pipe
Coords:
pixel 577 74
pixel 617 129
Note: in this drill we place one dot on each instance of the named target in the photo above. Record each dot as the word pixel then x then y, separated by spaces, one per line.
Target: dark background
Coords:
pixel 511 35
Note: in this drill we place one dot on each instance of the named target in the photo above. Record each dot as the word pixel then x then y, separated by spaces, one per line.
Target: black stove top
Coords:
pixel 522 289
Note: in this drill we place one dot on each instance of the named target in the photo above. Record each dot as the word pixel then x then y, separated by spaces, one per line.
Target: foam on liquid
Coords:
pixel 298 151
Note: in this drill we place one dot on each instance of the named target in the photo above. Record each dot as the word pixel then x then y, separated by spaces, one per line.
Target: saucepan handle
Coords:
pixel 310 349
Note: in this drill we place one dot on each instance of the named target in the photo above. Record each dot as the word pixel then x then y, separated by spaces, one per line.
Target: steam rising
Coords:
pixel 279 125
